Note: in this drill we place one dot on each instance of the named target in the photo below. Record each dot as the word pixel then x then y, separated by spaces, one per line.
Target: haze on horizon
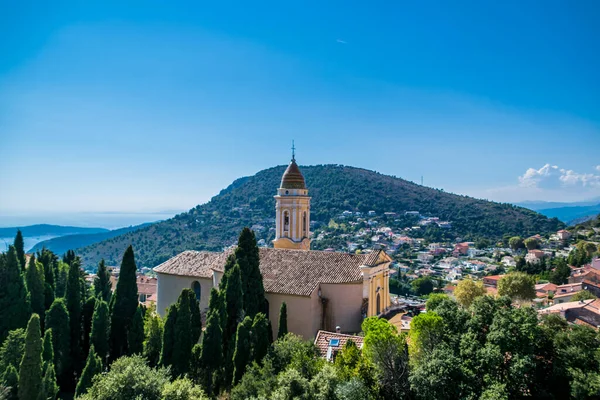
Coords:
pixel 150 106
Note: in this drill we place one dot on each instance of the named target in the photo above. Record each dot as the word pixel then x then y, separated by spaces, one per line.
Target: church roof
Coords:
pixel 292 177
pixel 296 272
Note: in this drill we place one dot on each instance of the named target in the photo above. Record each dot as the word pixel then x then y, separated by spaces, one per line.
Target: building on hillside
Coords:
pixel 534 256
pixel 322 289
pixel 146 289
pixel 330 343
pixel 583 312
pixel 564 293
pixel 461 249
pixel 563 234
pixel 492 280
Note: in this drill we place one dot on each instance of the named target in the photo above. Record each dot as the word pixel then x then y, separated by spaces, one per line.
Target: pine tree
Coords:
pixel 260 337
pixel 15 307
pixel 241 356
pixel 123 304
pixel 153 340
pixel 166 355
pixel 49 388
pixel 73 298
pixel 102 285
pixel 93 367
pixel 34 278
pixel 87 315
pixel 100 330
pixel 182 343
pixel 30 370
pixel 20 248
pixel 247 256
pixel 135 335
pixel 11 380
pixel 48 352
pixel 211 353
pixel 282 328
pixel 196 317
pixel 57 320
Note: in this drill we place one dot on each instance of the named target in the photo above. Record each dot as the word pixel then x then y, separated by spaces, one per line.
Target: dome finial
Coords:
pixel 293 151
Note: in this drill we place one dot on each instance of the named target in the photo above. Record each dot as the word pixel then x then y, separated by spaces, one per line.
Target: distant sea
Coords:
pixel 29 242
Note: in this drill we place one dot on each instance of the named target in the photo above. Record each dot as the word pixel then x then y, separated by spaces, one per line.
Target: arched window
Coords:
pixel 304 223
pixel 286 222
pixel 378 304
pixel 197 290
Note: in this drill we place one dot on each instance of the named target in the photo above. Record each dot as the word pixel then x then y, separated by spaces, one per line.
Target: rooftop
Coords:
pixel 324 338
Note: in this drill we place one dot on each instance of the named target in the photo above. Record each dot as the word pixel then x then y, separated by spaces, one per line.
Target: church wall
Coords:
pixel 300 314
pixel 170 287
pixel 343 306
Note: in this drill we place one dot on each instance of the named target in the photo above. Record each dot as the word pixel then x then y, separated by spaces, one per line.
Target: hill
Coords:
pixel 48 230
pixel 61 244
pixel 570 215
pixel 249 201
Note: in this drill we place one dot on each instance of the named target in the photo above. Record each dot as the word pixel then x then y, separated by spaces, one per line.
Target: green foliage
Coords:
pixel 516 243
pixel 30 369
pixel 135 334
pixel 73 297
pixel 168 336
pixel 153 341
pixel 426 331
pixel 241 355
pixel 87 313
pixel 123 305
pixel 14 301
pixel 129 378
pixel 260 330
pixel 583 295
pixel 182 340
pixel 468 290
pixel 100 330
pixel 93 367
pixel 195 318
pixel 48 347
pixel 20 249
pixel 34 278
pixel 282 325
pixel 182 389
pixel 422 286
pixel 11 381
pixel 517 286
pixel 12 349
pixel 57 320
pixel 561 272
pixel 210 357
pixel 49 388
pixel 102 285
pixel 233 296
pixel 531 243
pixel 246 255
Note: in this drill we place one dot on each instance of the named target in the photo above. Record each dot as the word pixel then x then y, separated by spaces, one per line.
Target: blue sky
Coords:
pixel 158 105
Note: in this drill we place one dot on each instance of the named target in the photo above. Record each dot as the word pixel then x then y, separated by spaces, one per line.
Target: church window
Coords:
pixel 378 304
pixel 304 223
pixel 197 290
pixel 286 221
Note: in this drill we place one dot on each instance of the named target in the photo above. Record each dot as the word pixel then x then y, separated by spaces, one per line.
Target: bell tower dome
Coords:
pixel 292 207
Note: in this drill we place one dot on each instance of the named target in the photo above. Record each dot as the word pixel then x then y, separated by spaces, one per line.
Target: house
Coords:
pixel 330 343
pixel 534 256
pixel 509 261
pixel 564 293
pixel 583 312
pixel 147 287
pixel 563 234
pixel 461 249
pixel 424 257
pixel 492 280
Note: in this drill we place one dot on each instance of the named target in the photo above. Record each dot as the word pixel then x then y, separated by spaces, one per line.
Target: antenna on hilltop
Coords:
pixel 293 151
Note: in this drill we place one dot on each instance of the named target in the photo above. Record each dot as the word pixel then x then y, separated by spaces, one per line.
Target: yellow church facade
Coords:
pixel 322 290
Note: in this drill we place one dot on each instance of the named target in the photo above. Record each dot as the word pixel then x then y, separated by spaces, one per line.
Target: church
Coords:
pixel 322 290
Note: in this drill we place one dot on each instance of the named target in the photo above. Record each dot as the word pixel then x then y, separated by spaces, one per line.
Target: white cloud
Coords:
pixel 551 176
pixel 597 167
pixel 534 177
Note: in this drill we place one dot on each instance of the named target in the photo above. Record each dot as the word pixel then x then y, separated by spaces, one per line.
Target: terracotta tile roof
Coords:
pixel 324 337
pixel 146 285
pixel 296 272
pixel 557 308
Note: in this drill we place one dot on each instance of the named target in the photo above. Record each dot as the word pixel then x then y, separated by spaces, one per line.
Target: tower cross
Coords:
pixel 293 151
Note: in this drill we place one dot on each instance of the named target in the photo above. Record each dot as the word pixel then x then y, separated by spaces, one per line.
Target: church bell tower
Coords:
pixel 292 220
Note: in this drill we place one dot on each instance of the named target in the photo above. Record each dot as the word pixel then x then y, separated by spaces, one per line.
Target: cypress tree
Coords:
pixel 87 315
pixel 61 280
pixel 153 340
pixel 12 349
pixel 102 285
pixel 30 370
pixel 15 307
pixel 135 335
pixel 49 388
pixel 247 256
pixel 100 330
pixel 182 344
pixel 235 314
pixel 123 304
pixel 166 355
pixel 11 380
pixel 20 248
pixel 34 277
pixel 73 298
pixel 241 355
pixel 48 295
pixel 57 320
pixel 196 317
pixel 260 337
pixel 211 353
pixel 282 328
pixel 48 347
pixel 69 257
pixel 49 261
pixel 93 367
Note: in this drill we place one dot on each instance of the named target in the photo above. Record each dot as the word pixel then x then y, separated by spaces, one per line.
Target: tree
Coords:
pixel 426 332
pixel 48 347
pixel 135 335
pixel 561 272
pixel 73 297
pixel 282 325
pixel 196 317
pixel 57 320
pixel 34 278
pixel 482 244
pixel 260 337
pixel 182 341
pixel 583 295
pixel 100 330
pixel 93 367
pixel 182 389
pixel 14 301
pixel 531 243
pixel 168 336
pixel 12 349
pixel 102 284
pixel 235 313
pixel 516 243
pixel 153 339
pixel 422 286
pixel 123 305
pixel 517 286
pixel 211 352
pixel 129 378
pixel 467 290
pixel 30 370
pixel 49 388
pixel 20 248
pixel 247 257
pixel 87 313
pixel 241 355
pixel 11 380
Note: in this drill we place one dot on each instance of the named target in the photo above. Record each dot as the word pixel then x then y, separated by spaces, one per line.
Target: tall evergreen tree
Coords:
pixel 49 388
pixel 102 285
pixel 123 304
pixel 15 307
pixel 100 330
pixel 153 341
pixel 73 298
pixel 34 277
pixel 69 257
pixel 93 367
pixel 242 353
pixel 166 355
pixel 87 315
pixel 247 256
pixel 196 317
pixel 20 248
pixel 57 320
pixel 211 354
pixel 135 335
pixel 260 337
pixel 48 347
pixel 30 370
pixel 235 314
pixel 11 380
pixel 49 261
pixel 61 279
pixel 282 329
pixel 182 343
pixel 12 349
